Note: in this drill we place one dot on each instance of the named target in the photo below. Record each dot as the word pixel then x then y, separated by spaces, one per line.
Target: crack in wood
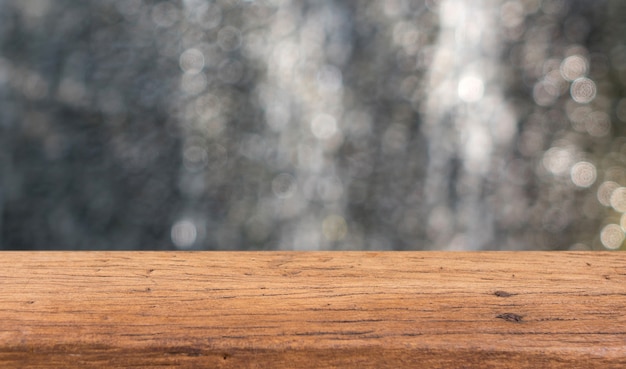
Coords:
pixel 510 317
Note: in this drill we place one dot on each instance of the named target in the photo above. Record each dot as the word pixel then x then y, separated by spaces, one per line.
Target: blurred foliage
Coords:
pixel 286 124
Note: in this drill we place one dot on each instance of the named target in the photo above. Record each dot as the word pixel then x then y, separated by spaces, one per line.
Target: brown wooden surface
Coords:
pixel 313 310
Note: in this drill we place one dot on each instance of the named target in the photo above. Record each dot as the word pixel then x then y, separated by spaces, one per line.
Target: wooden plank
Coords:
pixel 313 310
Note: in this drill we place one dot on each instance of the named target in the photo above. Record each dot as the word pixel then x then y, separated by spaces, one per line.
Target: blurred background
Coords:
pixel 313 124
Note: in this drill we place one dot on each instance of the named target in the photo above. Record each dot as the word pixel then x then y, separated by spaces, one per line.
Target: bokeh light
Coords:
pixel 583 90
pixel 618 199
pixel 283 185
pixel 605 192
pixel 192 61
pixel 229 38
pixel 574 67
pixel 558 160
pixel 583 174
pixel 184 234
pixel 323 126
pixel 471 89
pixel 612 236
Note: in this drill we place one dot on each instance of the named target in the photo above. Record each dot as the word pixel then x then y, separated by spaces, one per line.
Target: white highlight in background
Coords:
pixel 184 234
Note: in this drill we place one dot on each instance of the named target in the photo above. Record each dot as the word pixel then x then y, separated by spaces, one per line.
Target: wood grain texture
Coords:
pixel 313 310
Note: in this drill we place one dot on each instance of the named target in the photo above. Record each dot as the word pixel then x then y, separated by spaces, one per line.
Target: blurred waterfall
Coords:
pixel 302 124
pixel 299 202
pixel 301 97
pixel 468 124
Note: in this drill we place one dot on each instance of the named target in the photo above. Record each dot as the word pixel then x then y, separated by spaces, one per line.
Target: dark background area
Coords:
pixel 278 124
